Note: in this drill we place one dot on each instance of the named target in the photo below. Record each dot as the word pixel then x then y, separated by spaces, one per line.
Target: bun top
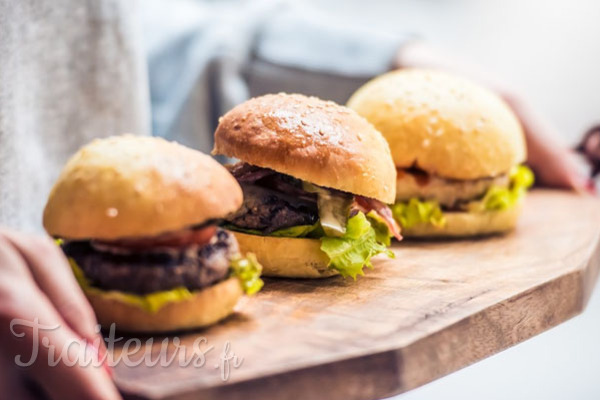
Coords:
pixel 128 186
pixel 442 124
pixel 314 140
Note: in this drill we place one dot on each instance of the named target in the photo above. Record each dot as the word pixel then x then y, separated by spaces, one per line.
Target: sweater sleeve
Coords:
pixel 298 49
pixel 205 57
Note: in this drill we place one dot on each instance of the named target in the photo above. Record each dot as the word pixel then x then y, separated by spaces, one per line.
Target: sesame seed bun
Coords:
pixel 287 257
pixel 466 224
pixel 310 139
pixel 442 124
pixel 206 307
pixel 129 186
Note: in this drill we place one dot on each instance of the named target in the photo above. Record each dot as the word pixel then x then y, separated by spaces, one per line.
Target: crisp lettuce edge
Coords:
pixel 503 198
pixel 415 212
pixel 298 231
pixel 352 252
pixel 247 269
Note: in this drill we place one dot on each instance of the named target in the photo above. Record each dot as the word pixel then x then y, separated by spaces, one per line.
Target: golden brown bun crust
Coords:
pixel 314 140
pixel 442 124
pixel 205 308
pixel 464 224
pixel 128 186
pixel 287 257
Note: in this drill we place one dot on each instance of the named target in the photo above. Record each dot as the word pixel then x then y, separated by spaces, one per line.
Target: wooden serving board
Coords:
pixel 437 307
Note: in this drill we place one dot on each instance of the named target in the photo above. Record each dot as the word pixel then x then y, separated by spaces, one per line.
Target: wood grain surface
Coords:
pixel 437 307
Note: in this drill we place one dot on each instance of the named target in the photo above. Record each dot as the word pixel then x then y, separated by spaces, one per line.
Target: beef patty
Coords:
pixel 268 210
pixel 142 272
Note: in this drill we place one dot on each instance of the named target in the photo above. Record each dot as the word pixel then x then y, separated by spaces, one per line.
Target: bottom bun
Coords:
pixel 465 224
pixel 287 257
pixel 205 308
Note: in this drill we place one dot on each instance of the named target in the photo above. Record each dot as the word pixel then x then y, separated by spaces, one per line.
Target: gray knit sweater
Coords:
pixel 74 70
pixel 70 71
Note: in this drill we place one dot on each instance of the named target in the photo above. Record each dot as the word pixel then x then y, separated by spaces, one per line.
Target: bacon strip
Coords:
pixel 366 204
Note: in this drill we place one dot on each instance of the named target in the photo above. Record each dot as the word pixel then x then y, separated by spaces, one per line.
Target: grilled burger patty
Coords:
pixel 275 201
pixel 267 210
pixel 272 200
pixel 164 268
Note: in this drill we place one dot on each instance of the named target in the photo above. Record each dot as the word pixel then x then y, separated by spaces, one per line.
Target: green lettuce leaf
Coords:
pixel 234 228
pixel 299 231
pixel 292 231
pixel 353 251
pixel 415 211
pixel 522 178
pixel 248 270
pixel 499 198
pixel 382 230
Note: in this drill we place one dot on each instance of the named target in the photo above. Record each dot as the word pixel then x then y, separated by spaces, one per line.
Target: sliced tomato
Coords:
pixel 177 239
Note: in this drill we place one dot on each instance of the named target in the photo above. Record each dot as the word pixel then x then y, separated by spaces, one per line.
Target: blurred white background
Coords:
pixel 551 51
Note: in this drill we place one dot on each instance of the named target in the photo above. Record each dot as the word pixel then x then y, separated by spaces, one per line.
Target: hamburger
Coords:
pixel 137 218
pixel 316 177
pixel 458 150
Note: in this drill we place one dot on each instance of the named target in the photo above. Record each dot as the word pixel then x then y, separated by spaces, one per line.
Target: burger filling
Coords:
pixel 152 271
pixel 449 193
pixel 268 210
pixel 424 198
pixel 352 229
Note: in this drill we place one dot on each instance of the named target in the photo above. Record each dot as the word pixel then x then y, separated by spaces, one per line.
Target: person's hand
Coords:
pixel 589 147
pixel 554 164
pixel 36 284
